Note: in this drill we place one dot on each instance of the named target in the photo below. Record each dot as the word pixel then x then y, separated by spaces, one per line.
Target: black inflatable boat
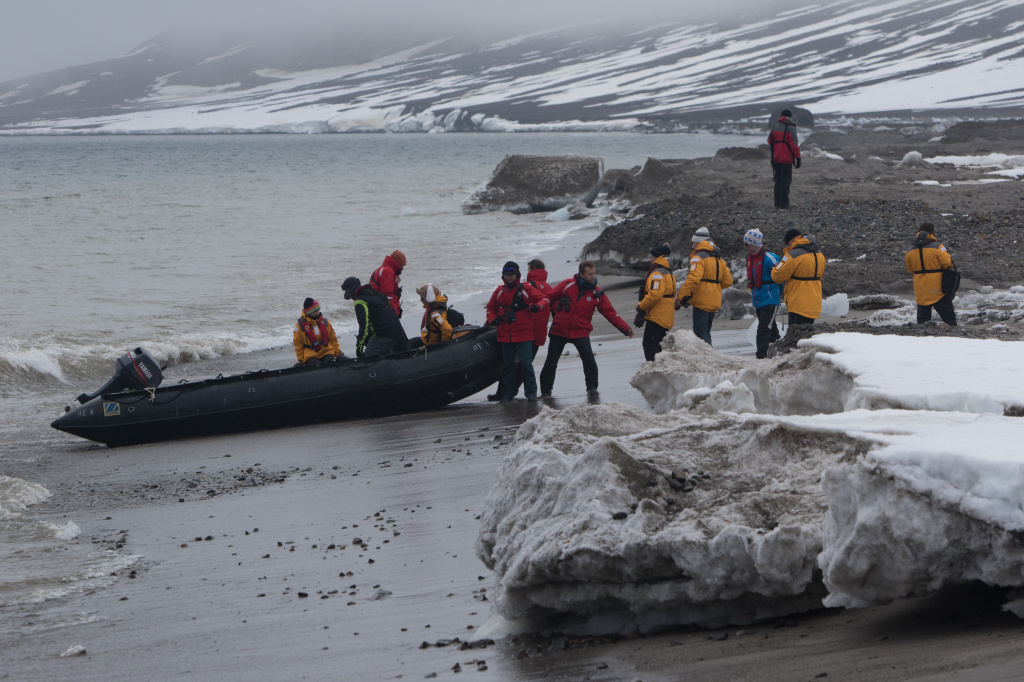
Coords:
pixel 132 408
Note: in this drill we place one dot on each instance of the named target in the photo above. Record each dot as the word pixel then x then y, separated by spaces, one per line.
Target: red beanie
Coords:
pixel 399 258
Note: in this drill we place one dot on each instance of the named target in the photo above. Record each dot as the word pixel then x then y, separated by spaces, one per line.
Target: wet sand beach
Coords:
pixel 346 551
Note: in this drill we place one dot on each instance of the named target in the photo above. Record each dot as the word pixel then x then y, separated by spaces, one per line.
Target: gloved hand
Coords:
pixel 684 302
pixel 534 308
pixel 638 321
pixel 796 163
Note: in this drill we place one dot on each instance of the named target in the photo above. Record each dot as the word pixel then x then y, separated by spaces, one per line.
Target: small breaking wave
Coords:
pixel 17 495
pixel 52 362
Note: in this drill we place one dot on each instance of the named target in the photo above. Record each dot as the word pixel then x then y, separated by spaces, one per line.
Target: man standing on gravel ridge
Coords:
pixel 801 270
pixel 926 261
pixel 785 155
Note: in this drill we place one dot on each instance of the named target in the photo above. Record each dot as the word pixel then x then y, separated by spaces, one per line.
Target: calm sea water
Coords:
pixel 203 247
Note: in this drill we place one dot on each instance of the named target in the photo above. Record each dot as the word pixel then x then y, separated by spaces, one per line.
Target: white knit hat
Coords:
pixel 753 237
pixel 700 235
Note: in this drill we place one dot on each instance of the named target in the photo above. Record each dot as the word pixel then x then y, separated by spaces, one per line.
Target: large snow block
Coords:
pixel 530 184
pixel 611 519
pixel 940 502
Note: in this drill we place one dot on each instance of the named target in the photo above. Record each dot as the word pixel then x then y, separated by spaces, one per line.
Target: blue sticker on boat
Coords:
pixel 111 409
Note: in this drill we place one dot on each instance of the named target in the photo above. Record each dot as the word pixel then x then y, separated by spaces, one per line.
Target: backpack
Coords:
pixel 455 318
pixel 950 281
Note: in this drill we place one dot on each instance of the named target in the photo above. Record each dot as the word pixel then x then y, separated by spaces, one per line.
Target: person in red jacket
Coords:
pixel 536 277
pixel 511 310
pixel 575 301
pixel 785 156
pixel 387 277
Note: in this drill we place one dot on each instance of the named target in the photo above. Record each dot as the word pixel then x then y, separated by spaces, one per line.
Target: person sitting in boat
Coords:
pixel 380 332
pixel 434 328
pixel 314 337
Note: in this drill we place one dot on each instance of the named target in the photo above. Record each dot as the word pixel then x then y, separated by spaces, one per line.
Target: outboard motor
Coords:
pixel 136 369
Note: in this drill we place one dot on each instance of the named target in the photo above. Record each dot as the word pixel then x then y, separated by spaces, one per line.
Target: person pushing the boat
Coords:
pixel 380 332
pixel 511 310
pixel 314 337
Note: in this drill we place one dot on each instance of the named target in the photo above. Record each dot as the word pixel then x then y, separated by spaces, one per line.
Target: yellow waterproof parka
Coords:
pixel 314 339
pixel 801 269
pixel 657 301
pixel 435 327
pixel 926 261
pixel 708 275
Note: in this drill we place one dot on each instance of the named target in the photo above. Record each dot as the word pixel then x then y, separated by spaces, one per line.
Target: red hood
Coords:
pixel 538 275
pixel 390 262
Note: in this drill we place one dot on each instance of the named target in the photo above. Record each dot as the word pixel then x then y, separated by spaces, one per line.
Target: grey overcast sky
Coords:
pixel 44 35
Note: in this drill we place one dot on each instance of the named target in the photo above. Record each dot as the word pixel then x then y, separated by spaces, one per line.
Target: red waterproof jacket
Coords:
pixel 538 279
pixel 385 280
pixel 574 307
pixel 783 141
pixel 517 299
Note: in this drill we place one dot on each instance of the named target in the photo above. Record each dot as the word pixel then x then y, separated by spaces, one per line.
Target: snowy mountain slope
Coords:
pixel 843 57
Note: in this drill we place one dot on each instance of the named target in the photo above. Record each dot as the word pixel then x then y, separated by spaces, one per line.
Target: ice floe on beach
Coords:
pixel 855 470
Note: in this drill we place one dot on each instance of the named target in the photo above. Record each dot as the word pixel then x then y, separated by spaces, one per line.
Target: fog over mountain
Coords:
pixel 459 66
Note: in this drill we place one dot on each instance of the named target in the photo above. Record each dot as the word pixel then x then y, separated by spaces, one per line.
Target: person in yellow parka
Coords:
pixel 801 270
pixel 926 261
pixel 655 312
pixel 314 337
pixel 434 328
pixel 708 275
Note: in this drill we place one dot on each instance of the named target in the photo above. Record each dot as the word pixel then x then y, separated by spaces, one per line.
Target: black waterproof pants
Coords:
pixel 767 329
pixel 943 306
pixel 556 344
pixel 783 179
pixel 653 334
pixel 797 318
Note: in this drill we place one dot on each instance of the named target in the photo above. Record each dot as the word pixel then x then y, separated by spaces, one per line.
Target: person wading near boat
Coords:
pixel 380 332
pixel 928 261
pixel 801 269
pixel 574 302
pixel 656 312
pixel 536 277
pixel 702 289
pixel 387 280
pixel 434 327
pixel 511 309
pixel 314 337
pixel 765 294
pixel 785 156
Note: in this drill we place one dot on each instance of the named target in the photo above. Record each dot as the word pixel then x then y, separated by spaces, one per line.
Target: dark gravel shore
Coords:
pixel 863 209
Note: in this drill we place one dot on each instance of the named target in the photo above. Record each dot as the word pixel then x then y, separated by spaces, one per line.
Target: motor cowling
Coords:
pixel 135 370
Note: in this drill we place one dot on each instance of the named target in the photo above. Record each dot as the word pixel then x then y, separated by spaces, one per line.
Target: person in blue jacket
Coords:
pixel 765 294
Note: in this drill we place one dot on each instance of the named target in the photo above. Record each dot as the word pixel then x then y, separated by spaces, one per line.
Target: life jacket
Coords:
pixel 810 247
pixel 920 250
pixel 718 264
pixel 314 342
pixel 643 287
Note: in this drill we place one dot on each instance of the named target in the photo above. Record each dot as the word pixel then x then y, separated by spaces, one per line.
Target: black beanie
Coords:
pixel 792 234
pixel 787 113
pixel 511 266
pixel 661 250
pixel 349 286
pixel 308 302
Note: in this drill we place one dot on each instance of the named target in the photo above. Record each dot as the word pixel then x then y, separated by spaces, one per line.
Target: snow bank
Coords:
pixel 607 518
pixel 939 503
pixel 611 519
pixel 932 373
